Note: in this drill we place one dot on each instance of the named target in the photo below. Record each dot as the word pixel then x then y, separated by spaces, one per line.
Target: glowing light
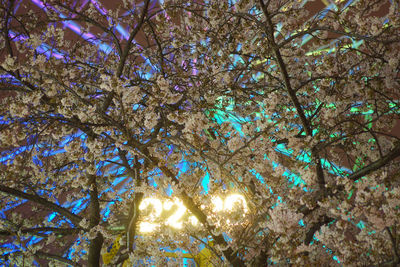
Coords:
pixel 218 204
pixel 234 198
pixel 155 202
pixel 193 220
pixel 168 205
pixel 154 207
pixel 146 227
pixel 174 220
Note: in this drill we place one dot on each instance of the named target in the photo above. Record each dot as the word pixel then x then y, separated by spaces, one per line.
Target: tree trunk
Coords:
pixel 94 209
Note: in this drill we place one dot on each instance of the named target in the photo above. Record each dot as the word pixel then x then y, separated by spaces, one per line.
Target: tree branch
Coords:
pixel 393 154
pixel 315 228
pixel 75 219
pixel 131 37
pixel 6 29
pixel 46 255
pixel 95 23
pixel 343 33
pixel 94 220
pixel 393 240
pixel 125 53
pixel 292 93
pixel 61 231
pixel 134 211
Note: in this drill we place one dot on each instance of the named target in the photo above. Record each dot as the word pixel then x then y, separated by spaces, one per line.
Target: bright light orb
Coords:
pixel 217 203
pixel 155 211
pixel 155 202
pixel 235 198
pixel 193 220
pixel 146 227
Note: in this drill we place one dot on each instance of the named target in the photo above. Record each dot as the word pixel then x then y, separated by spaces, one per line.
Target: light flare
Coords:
pixel 235 198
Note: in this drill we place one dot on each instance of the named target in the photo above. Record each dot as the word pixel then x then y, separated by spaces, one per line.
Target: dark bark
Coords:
pixel 44 255
pixel 315 228
pixel 94 213
pixel 270 29
pixel 75 219
pixel 392 155
pixel 131 37
pixel 134 211
pixel 37 230
pixel 50 256
pixel 133 218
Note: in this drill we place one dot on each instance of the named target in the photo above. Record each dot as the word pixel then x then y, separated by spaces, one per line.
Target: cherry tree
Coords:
pixel 258 131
